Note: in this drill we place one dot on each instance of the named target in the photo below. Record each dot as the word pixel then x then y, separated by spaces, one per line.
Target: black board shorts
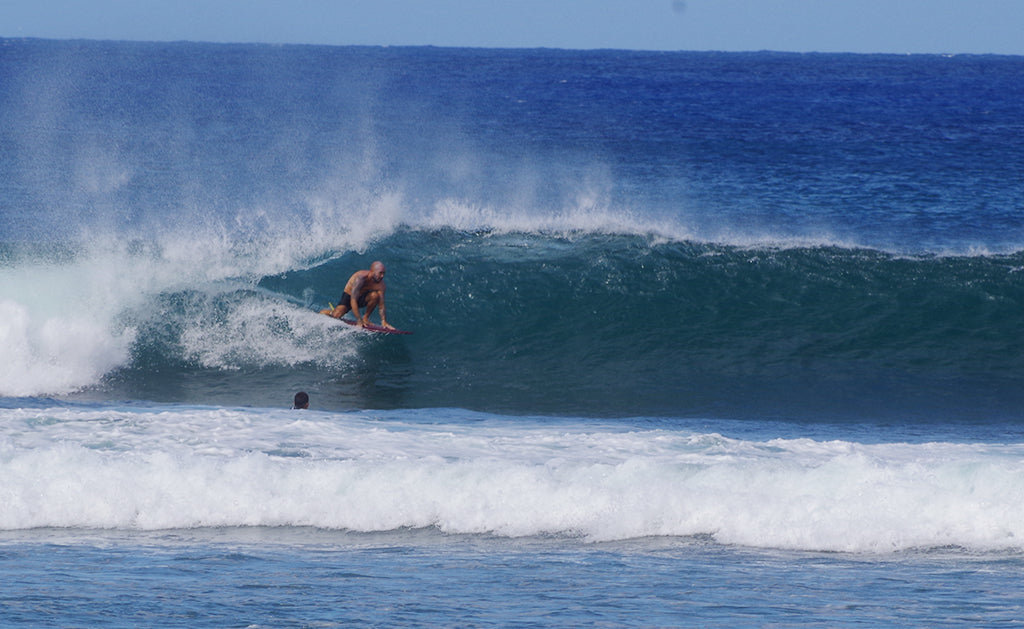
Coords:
pixel 346 300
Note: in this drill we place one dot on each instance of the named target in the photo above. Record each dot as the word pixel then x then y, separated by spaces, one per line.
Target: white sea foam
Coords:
pixel 58 328
pixel 65 323
pixel 193 467
pixel 257 331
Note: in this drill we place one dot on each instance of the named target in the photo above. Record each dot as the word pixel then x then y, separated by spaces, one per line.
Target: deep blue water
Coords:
pixel 700 338
pixel 210 579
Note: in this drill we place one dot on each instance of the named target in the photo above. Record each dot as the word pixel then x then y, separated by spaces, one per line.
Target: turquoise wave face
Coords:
pixel 610 325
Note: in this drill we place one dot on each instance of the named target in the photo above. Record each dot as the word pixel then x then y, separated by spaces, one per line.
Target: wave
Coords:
pixel 578 321
pixel 614 324
pixel 463 473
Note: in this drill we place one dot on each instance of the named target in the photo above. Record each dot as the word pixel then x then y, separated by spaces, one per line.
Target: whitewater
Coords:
pixel 699 339
pixel 183 468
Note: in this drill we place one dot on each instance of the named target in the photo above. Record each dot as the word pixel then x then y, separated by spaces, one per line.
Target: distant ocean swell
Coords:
pixel 195 467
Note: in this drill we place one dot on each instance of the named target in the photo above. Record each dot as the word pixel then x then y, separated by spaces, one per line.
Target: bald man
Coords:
pixel 365 289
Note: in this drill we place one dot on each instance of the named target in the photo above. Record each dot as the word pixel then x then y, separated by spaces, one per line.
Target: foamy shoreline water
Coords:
pixel 181 468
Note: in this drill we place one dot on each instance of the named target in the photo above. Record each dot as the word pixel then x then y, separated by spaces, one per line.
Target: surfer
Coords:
pixel 301 400
pixel 365 289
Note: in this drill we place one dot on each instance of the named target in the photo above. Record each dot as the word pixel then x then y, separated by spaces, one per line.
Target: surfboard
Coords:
pixel 371 327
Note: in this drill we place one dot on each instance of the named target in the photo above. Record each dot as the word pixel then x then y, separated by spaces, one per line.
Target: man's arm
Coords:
pixel 383 316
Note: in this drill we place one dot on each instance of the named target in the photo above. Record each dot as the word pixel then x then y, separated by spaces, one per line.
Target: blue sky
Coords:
pixel 894 26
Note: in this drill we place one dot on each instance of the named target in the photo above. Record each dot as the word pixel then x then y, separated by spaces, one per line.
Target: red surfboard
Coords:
pixel 376 328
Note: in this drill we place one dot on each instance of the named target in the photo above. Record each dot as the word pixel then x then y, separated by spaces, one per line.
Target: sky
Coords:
pixel 863 26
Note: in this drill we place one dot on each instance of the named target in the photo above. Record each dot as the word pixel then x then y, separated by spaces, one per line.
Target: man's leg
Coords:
pixel 372 299
pixel 338 312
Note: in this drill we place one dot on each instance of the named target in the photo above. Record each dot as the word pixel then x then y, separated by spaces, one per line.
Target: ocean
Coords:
pixel 699 339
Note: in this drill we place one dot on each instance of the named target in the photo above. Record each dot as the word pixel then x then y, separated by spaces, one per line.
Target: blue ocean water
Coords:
pixel 701 339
